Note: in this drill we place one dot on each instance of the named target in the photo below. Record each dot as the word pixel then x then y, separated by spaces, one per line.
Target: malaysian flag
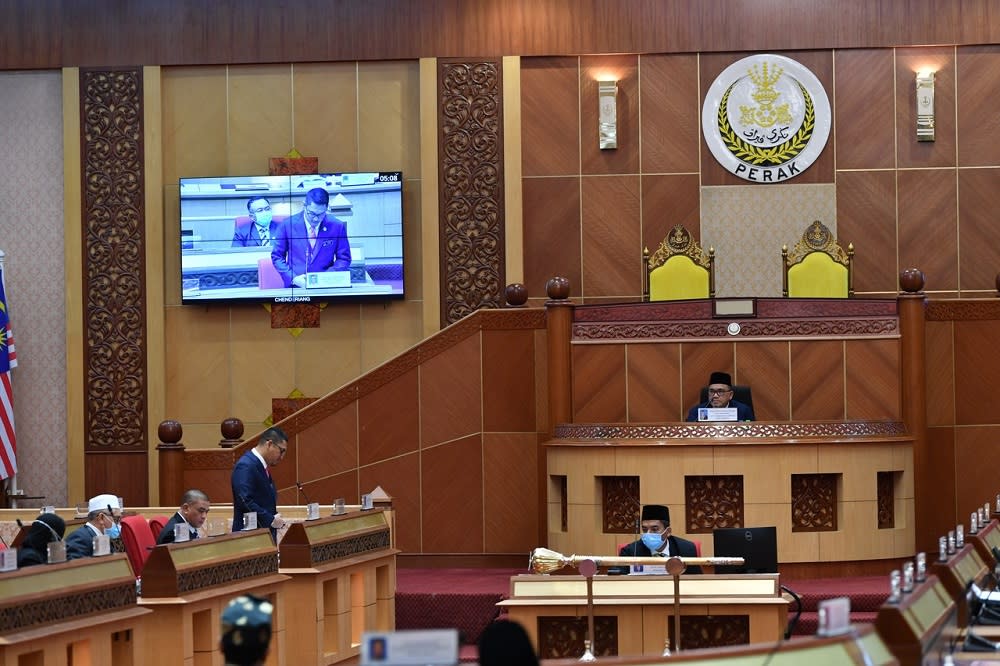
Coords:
pixel 8 360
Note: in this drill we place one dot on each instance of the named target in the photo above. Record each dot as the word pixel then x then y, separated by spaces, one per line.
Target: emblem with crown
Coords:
pixel 765 114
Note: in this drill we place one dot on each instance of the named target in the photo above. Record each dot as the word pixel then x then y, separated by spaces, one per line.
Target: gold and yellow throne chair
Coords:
pixel 679 269
pixel 817 267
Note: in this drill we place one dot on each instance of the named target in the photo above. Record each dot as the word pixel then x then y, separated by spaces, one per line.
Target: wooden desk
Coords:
pixel 81 612
pixel 342 582
pixel 964 566
pixel 921 624
pixel 632 613
pixel 188 585
pixel 985 540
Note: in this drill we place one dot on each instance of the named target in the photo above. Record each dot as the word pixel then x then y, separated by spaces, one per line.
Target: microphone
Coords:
pixel 302 489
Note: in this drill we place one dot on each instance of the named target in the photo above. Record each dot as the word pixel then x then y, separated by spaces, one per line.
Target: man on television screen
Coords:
pixel 310 242
pixel 259 229
pixel 656 540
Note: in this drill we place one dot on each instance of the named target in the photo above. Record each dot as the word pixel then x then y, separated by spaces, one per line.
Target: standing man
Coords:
pixel 657 541
pixel 310 242
pixel 253 488
pixel 720 394
pixel 261 228
pixel 192 514
pixel 103 515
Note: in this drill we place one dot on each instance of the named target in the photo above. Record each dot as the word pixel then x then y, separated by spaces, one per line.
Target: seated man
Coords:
pixel 657 541
pixel 720 395
pixel 192 514
pixel 103 516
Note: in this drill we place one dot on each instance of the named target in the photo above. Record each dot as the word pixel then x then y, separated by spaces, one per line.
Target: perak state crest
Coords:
pixel 766 118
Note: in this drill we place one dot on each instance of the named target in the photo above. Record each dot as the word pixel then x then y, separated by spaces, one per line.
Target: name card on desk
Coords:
pixel 56 552
pixel 717 414
pixel 648 569
pixel 8 559
pixel 423 647
pixel 312 511
pixel 102 545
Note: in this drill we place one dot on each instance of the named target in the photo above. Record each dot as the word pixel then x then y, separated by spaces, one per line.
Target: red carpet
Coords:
pixel 467 598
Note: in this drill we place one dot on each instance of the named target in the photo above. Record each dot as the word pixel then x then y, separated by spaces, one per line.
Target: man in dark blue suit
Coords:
pixel 720 395
pixel 260 229
pixel 103 514
pixel 253 488
pixel 310 242
pixel 657 541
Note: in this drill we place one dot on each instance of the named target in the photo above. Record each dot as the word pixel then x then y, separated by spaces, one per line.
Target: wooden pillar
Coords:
pixel 559 332
pixel 171 453
pixel 913 368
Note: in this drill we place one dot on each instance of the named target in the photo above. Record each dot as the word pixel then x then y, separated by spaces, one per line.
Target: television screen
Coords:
pixel 758 546
pixel 292 238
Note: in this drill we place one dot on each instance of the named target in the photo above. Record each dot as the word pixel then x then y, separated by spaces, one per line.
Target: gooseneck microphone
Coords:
pixel 302 489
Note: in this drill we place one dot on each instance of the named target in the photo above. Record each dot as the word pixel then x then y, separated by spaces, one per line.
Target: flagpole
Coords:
pixel 12 492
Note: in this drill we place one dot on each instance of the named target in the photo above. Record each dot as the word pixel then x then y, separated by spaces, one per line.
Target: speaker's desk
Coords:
pixel 188 585
pixel 342 582
pixel 633 613
pixel 81 613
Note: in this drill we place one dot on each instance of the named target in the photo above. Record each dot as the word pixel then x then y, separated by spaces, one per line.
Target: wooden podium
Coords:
pixel 188 585
pixel 82 612
pixel 632 613
pixel 342 582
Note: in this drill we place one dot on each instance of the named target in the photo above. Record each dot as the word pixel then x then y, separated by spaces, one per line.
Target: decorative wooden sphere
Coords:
pixel 911 280
pixel 170 431
pixel 557 288
pixel 232 428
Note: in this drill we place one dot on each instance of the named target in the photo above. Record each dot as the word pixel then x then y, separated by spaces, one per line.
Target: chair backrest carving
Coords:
pixel 678 269
pixel 817 267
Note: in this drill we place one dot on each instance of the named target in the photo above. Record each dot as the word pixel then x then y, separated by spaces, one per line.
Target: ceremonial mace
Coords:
pixel 543 561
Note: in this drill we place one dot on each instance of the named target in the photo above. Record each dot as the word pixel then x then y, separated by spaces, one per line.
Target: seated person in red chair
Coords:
pixel 657 541
pixel 720 395
pixel 310 242
pixel 192 514
pixel 259 229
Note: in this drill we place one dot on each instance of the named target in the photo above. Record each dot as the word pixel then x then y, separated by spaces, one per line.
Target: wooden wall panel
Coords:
pixel 457 373
pixel 118 473
pixel 978 73
pixel 928 202
pixel 668 200
pixel 598 383
pixel 671 113
pixel 978 250
pixel 976 369
pixel 975 453
pixel 817 380
pixel 511 513
pixel 941 151
pixel 611 250
pixel 388 421
pixel 509 381
pixel 872 379
pixel 66 32
pixel 654 383
pixel 864 115
pixel 866 216
pixel 940 359
pixel 452 479
pixel 551 233
pixel 550 116
pixel 764 367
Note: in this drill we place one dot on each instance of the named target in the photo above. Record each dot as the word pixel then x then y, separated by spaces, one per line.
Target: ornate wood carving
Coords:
pixel 711 502
pixel 886 500
pixel 202 459
pixel 766 308
pixel 620 504
pixel 114 264
pixel 706 631
pixel 356 545
pixel 227 572
pixel 755 430
pixel 562 637
pixel 471 175
pixel 751 328
pixel 814 502
pixel 979 309
pixel 72 605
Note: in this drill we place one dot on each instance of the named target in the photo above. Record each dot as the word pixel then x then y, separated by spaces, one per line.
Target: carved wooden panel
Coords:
pixel 886 500
pixel 562 637
pixel 752 430
pixel 814 502
pixel 888 327
pixel 67 607
pixel 712 502
pixel 470 114
pixel 114 265
pixel 620 504
pixel 707 631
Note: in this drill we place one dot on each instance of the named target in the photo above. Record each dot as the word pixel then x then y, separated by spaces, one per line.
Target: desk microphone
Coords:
pixel 302 489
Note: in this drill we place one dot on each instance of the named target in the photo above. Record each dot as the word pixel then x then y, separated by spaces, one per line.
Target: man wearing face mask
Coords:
pixel 261 228
pixel 103 514
pixel 657 541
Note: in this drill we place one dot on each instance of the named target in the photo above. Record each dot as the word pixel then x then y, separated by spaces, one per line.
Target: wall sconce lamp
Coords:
pixel 607 118
pixel 925 106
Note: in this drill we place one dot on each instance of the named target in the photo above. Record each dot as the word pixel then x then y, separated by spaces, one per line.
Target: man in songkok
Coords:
pixel 246 631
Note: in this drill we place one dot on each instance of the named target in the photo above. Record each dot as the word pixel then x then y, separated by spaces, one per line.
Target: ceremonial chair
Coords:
pixel 817 267
pixel 156 524
pixel 740 394
pixel 679 269
pixel 139 541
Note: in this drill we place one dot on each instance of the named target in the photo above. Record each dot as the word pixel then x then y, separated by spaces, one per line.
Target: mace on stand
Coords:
pixel 543 561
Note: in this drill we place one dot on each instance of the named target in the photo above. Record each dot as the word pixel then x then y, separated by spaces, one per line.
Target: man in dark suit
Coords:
pixel 103 514
pixel 253 488
pixel 657 541
pixel 192 514
pixel 310 242
pixel 720 395
pixel 260 229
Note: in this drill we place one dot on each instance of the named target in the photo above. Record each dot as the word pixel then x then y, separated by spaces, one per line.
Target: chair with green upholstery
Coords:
pixel 817 267
pixel 679 269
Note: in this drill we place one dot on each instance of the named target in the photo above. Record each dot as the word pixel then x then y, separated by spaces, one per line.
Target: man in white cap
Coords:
pixel 103 514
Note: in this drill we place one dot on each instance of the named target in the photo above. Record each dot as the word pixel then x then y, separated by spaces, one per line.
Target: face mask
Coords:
pixel 115 531
pixel 652 541
pixel 264 218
